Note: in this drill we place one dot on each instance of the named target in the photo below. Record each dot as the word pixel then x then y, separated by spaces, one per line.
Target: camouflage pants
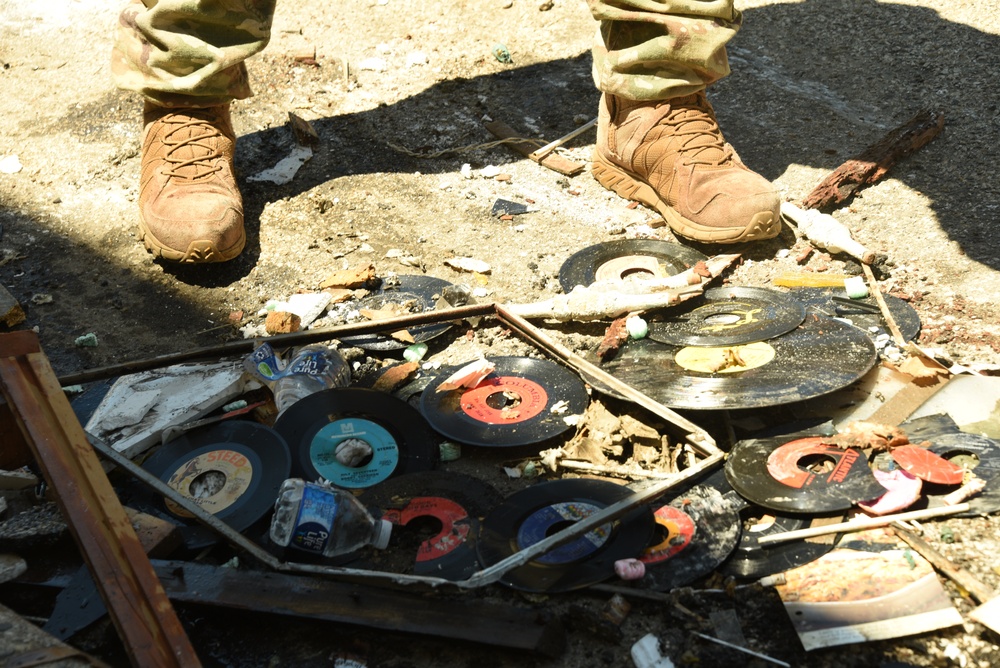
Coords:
pixel 192 52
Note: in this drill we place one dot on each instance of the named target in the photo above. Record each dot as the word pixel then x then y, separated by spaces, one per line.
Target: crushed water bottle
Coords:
pixel 311 368
pixel 324 520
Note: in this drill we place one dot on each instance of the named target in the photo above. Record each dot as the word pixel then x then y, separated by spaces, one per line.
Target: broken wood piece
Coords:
pixel 615 298
pixel 24 644
pixel 883 308
pixel 555 162
pixel 147 623
pixel 303 130
pixel 11 312
pixel 553 145
pixel 959 575
pixel 350 278
pixel 615 337
pixel 452 618
pixel 826 232
pixel 873 163
pixel 861 523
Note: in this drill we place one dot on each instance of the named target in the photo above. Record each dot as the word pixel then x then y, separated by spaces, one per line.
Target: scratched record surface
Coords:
pixel 802 475
pixel 438 516
pixel 396 436
pixel 728 316
pixel 232 469
pixel 751 560
pixel 817 357
pixel 510 407
pixel 532 514
pixel 415 294
pixel 863 313
pixel 695 532
pixel 610 260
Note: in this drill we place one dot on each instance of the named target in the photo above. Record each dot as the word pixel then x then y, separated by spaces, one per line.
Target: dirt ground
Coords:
pixel 813 84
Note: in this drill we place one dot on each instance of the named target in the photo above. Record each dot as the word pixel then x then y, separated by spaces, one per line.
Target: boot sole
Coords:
pixel 764 225
pixel 197 252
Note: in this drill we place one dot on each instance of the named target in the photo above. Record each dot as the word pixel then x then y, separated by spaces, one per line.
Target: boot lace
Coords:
pixel 192 147
pixel 698 134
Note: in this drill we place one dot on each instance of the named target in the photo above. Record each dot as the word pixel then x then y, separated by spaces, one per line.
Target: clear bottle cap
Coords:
pixel 383 528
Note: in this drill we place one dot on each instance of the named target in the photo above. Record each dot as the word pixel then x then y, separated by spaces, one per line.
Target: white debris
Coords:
pixel 10 164
pixel 466 171
pixel 489 171
pixel 468 264
pixel 416 58
pixel 287 167
pixel 646 653
pixel 373 65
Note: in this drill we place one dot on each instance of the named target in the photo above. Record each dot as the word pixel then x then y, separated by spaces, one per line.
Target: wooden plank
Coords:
pixel 140 609
pixel 364 605
pixel 555 162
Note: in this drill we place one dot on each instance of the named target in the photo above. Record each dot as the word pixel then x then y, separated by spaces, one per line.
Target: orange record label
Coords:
pixel 504 400
pixel 214 480
pixel 783 463
pixel 680 530
pixel 455 524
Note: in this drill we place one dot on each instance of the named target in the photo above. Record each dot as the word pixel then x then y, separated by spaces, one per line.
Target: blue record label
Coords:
pixel 384 457
pixel 536 527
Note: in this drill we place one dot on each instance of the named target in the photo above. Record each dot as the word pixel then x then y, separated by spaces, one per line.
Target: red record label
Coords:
pixel 680 530
pixel 454 524
pixel 504 400
pixel 927 465
pixel 783 463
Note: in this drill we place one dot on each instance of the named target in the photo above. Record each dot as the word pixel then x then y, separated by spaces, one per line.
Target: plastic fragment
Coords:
pixel 86 341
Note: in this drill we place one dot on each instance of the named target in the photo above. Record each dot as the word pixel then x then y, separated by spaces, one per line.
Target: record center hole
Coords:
pixel 207 484
pixel 818 464
pixel 966 460
pixel 558 526
pixel 503 400
pixel 354 453
pixel 424 527
pixel 638 272
pixel 723 319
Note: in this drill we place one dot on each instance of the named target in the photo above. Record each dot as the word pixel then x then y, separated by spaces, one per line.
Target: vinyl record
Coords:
pixel 863 313
pixel 626 257
pixel 819 356
pixel 417 294
pixel 397 436
pixel 803 475
pixel 751 560
pixel 232 469
pixel 978 454
pixel 534 513
pixel 727 317
pixel 523 402
pixel 697 531
pixel 452 504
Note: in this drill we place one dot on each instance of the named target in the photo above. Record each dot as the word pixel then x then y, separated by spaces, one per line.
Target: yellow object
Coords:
pixel 808 279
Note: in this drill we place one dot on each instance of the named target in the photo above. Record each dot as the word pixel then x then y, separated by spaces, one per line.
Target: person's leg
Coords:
pixel 658 140
pixel 186 58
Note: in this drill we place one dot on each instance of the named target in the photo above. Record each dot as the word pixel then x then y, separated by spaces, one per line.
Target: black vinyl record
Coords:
pixel 801 475
pixel 317 425
pixel 728 316
pixel 751 560
pixel 452 504
pixel 232 469
pixel 519 403
pixel 818 357
pixel 863 313
pixel 618 259
pixel 698 530
pixel 532 514
pixel 981 456
pixel 418 294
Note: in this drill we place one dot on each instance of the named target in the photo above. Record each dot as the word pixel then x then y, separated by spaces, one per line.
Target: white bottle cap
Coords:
pixel 382 531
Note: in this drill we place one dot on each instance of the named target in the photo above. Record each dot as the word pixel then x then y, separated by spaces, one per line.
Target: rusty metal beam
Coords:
pixel 139 607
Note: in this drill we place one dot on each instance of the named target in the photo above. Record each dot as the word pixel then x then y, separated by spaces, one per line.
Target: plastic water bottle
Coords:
pixel 324 520
pixel 312 368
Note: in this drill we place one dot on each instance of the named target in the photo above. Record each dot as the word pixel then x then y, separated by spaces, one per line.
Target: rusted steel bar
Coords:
pixel 142 613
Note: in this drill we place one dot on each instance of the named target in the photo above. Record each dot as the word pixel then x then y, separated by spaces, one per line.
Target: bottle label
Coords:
pixel 314 522
pixel 312 363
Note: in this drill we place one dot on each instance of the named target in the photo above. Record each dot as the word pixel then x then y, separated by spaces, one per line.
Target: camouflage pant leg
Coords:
pixel 189 52
pixel 658 49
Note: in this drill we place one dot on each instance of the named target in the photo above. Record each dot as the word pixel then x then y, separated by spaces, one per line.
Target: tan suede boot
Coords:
pixel 670 155
pixel 190 209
